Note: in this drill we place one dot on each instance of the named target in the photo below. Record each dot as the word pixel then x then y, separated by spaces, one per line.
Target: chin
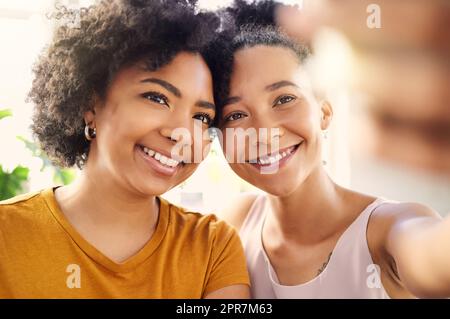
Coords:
pixel 274 185
pixel 151 190
pixel 147 184
pixel 278 190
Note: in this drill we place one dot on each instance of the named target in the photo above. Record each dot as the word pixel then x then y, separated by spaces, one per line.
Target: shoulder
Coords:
pixel 390 213
pixel 17 200
pixel 392 218
pixel 20 203
pixel 236 212
pixel 20 211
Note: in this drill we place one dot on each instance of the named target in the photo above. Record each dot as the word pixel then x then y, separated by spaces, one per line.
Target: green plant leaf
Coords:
pixel 11 184
pixel 36 152
pixel 5 113
pixel 63 176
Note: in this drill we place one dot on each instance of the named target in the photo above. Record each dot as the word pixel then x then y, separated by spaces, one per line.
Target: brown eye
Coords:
pixel 284 99
pixel 234 117
pixel 156 97
pixel 205 118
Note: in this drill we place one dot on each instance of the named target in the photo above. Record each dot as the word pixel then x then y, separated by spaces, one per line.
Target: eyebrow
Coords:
pixel 206 105
pixel 280 84
pixel 270 87
pixel 169 87
pixel 175 91
pixel 232 100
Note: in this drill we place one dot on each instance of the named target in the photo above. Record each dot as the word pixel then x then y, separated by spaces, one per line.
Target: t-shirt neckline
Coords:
pixel 132 262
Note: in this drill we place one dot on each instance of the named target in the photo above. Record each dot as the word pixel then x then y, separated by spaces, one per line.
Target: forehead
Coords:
pixel 190 66
pixel 187 71
pixel 264 65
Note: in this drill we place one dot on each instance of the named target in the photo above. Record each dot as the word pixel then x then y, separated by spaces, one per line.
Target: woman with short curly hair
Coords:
pixel 308 237
pixel 114 85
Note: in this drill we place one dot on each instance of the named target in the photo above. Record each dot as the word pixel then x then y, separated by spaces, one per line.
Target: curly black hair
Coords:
pixel 245 25
pixel 88 49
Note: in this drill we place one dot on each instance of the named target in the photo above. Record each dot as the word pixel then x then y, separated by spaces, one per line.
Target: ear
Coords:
pixel 326 113
pixel 89 116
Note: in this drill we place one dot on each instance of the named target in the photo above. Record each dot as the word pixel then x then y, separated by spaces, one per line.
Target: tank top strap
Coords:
pixel 345 275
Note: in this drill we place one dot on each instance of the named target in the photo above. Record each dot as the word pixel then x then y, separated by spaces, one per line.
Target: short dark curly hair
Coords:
pixel 245 25
pixel 88 49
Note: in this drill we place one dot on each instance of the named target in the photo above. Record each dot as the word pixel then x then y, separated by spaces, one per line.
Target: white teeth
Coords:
pixel 274 158
pixel 161 158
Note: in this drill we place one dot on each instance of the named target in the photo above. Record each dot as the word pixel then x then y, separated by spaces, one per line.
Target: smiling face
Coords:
pixel 269 89
pixel 135 122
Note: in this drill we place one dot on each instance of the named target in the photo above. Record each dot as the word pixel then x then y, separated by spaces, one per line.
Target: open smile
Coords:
pixel 161 163
pixel 276 160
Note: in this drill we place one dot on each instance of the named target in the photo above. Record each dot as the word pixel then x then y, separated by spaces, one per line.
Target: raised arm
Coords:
pixel 418 240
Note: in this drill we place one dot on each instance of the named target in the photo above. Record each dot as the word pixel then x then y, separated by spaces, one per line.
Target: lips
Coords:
pixel 159 162
pixel 277 156
pixel 168 161
pixel 273 162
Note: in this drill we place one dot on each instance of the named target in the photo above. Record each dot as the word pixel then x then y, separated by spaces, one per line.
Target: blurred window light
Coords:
pixel 23 9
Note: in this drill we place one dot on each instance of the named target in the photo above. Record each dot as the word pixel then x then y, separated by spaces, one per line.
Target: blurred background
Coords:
pixel 390 134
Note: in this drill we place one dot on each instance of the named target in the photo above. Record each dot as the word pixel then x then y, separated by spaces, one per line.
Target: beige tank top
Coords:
pixel 350 272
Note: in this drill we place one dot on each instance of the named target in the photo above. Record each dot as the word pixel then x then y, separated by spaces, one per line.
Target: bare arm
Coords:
pixel 418 240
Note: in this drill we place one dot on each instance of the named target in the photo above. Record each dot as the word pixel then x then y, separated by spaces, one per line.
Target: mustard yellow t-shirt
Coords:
pixel 43 256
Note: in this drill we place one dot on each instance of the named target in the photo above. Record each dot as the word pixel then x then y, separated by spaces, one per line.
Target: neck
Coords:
pixel 310 213
pixel 97 197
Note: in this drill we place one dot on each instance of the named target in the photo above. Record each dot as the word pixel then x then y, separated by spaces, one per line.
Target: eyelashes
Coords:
pixel 204 118
pixel 161 99
pixel 284 100
pixel 156 98
pixel 279 101
pixel 234 116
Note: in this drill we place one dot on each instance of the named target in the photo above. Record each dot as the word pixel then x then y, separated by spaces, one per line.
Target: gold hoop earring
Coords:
pixel 90 133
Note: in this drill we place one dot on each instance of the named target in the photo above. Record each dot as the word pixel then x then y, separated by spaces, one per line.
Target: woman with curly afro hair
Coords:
pixel 110 91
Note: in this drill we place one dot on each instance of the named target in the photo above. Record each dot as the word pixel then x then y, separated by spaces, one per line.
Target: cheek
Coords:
pixel 113 121
pixel 118 136
pixel 132 124
pixel 226 144
pixel 241 170
pixel 194 144
pixel 206 147
pixel 235 149
pixel 186 172
pixel 303 122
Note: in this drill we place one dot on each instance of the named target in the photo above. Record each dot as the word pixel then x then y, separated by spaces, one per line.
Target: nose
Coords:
pixel 185 135
pixel 178 126
pixel 269 133
pixel 167 133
